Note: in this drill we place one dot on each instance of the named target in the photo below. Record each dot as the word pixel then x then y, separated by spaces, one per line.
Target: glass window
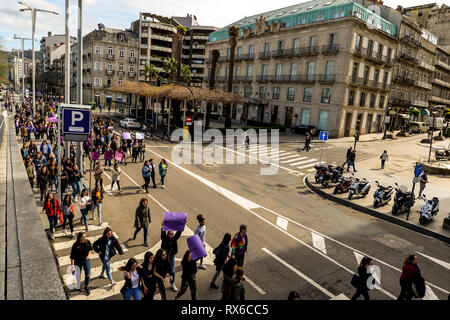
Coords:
pixel 121 53
pixel 250 49
pixel 132 53
pixel 323 120
pixel 305 117
pixel 235 89
pixel 264 69
pixel 238 71
pixel 276 93
pixel 381 102
pixel 310 70
pixel 262 93
pixel 351 97
pixel 293 69
pixel 372 100
pixel 120 67
pixel 247 92
pixel 329 70
pixel 326 95
pixel 131 68
pixel 249 70
pixel 307 95
pixel 120 81
pixel 291 94
pixel 376 75
pixel 239 51
pixel 362 99
pixel 358 42
pixel 313 43
pixel 110 50
pixel 266 48
pixel 109 66
pixel 278 70
pixel 296 43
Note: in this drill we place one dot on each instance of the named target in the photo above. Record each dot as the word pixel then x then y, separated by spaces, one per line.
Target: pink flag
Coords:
pixel 109 154
pixel 126 135
pixel 53 119
pixel 94 155
pixel 118 156
pixel 196 247
pixel 174 221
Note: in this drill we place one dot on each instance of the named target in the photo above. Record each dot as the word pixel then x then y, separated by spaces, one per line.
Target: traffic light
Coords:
pixel 158 81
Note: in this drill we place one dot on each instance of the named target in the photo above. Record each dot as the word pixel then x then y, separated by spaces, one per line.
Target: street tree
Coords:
pixel 233 33
pixel 150 72
pixel 170 66
pixel 212 83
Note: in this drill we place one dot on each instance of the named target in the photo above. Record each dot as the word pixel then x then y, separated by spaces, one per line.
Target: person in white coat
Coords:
pixel 115 176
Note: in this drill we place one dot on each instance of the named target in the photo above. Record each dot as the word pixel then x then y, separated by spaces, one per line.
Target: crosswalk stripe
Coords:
pixel 105 292
pixel 302 162
pixel 262 151
pixel 65 260
pixel 307 166
pixel 68 244
pixel 319 242
pixel 292 160
pixel 82 228
pixel 311 170
pixel 358 257
pixel 286 156
pixel 429 294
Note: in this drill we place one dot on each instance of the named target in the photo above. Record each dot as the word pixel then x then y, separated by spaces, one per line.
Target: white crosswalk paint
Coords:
pixel 82 228
pixel 65 260
pixel 302 162
pixel 250 282
pixel 311 170
pixel 340 297
pixel 300 274
pixel 68 244
pixel 284 157
pixel 292 160
pixel 283 223
pixel 307 166
pixel 429 294
pixel 319 242
pixel 358 257
pixel 440 262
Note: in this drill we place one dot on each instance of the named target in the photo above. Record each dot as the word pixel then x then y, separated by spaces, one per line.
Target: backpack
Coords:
pixel 419 287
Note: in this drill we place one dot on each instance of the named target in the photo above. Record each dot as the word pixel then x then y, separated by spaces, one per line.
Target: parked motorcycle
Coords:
pixel 343 185
pixel 442 154
pixel 429 209
pixel 403 200
pixel 359 187
pixel 382 195
pixel 332 175
pixel 321 169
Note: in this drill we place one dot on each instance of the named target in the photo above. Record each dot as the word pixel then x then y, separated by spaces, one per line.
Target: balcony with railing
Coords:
pixel 403 79
pixel 409 39
pixel 408 58
pixel 326 78
pixel 422 84
pixel 440 82
pixel 400 101
pixel 132 60
pixel 442 64
pixel 426 66
pixel 309 51
pixel 121 73
pixel 132 74
pixel 419 103
pixel 390 62
pixel 223 59
pixel 109 72
pixel 330 49
pixel 359 51
pixel 265 55
pixel 376 57
pixel 438 99
pixel 110 56
pixel 245 79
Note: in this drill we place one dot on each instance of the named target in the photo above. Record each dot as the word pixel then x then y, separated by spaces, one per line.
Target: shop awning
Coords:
pixel 425 112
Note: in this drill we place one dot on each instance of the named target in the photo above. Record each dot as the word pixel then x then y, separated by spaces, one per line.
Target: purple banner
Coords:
pixel 174 221
pixel 53 119
pixel 126 135
pixel 118 156
pixel 109 154
pixel 94 155
pixel 196 247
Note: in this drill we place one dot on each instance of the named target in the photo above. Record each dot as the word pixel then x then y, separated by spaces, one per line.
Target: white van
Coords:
pixel 438 123
pixel 419 127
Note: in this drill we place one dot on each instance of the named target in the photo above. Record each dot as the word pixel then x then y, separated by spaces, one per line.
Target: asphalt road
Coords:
pixel 297 240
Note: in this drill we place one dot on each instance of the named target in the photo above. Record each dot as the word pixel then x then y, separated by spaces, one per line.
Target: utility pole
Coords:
pixel 79 152
pixel 356 139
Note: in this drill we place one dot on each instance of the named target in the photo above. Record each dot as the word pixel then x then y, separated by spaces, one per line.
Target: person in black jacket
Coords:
pixel 363 276
pixel 221 252
pixel 106 247
pixel 169 243
pixel 188 276
pixel 149 284
pixel 80 256
pixel 133 278
pixel 152 175
pixel 161 267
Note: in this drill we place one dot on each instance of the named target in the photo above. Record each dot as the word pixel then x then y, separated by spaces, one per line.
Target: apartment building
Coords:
pixel 440 90
pixel 109 58
pixel 326 63
pixel 194 45
pixel 48 46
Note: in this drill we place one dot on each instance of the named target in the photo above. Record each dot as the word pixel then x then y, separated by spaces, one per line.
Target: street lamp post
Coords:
pixel 33 28
pixel 431 138
pixel 23 65
pixel 385 123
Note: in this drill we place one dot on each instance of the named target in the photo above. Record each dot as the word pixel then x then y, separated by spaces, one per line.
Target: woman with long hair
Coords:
pixel 229 274
pixel 188 276
pixel 42 180
pixel 161 266
pixel 132 276
pixel 68 213
pixel 222 252
pixel 51 208
pixel 410 272
pixel 80 256
pixel 237 289
pixel 85 205
pixel 106 247
pixel 142 219
pixel 97 200
pixel 163 167
pixel 147 276
pixel 362 289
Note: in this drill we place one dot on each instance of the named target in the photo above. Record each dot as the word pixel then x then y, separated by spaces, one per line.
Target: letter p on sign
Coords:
pixel 76 117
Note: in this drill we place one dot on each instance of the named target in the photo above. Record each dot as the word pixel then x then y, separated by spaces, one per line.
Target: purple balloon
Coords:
pixel 174 221
pixel 196 247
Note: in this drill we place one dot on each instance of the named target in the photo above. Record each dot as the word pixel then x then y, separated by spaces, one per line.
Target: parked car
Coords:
pixel 130 123
pixel 438 123
pixel 419 127
pixel 304 129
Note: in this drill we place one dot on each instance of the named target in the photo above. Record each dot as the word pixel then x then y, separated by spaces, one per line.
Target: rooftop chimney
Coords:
pixel 49 33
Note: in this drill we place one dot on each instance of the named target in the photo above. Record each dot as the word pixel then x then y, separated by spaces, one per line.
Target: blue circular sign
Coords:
pixel 418 170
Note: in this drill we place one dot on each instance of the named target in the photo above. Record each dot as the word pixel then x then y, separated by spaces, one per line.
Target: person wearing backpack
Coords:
pixel 410 275
pixel 362 289
pixel 222 251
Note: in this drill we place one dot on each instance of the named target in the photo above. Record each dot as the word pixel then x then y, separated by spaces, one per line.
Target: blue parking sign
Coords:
pixel 76 121
pixel 323 136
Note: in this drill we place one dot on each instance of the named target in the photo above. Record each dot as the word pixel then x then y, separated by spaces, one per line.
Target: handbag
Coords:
pixel 356 281
pixel 89 205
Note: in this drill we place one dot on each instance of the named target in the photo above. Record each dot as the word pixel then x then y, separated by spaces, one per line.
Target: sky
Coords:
pixel 120 13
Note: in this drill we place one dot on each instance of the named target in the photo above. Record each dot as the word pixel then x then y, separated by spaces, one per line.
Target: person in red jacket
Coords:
pixel 52 209
pixel 410 270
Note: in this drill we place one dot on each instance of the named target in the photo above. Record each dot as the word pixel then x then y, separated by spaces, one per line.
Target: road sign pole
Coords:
pixel 321 152
pixel 417 171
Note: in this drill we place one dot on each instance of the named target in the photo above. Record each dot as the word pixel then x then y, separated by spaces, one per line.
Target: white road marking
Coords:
pixel 302 162
pixel 340 297
pixel 358 257
pixel 218 189
pixel 307 166
pixel 319 242
pixel 283 223
pixel 82 228
pixel 311 170
pixel 429 294
pixel 439 262
pixel 250 282
pixel 300 274
pixel 288 157
pixel 65 261
pixel 292 160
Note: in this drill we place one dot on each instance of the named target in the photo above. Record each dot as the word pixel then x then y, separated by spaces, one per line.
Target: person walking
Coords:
pixel 229 274
pixel 75 181
pixel 161 267
pixel 307 142
pixel 142 219
pixel 410 273
pixel 97 200
pixel 149 285
pixel 200 230
pixel 80 256
pixel 115 176
pixel 423 182
pixel 52 209
pixel 85 204
pixel 169 243
pixel 30 172
pixel 42 180
pixel 152 172
pixel 98 173
pixel 52 175
pixel 134 151
pixel 384 157
pixel 363 275
pixel 133 278
pixel 146 175
pixel 189 267
pixel 108 155
pixel 68 213
pixel 106 247
pixel 45 149
pixel 351 161
pixel 347 156
pixel 237 288
pixel 221 252
pixel 163 171
pixel 141 150
pixel 239 245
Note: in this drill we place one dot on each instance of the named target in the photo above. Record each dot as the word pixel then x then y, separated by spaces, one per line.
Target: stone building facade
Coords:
pixel 440 90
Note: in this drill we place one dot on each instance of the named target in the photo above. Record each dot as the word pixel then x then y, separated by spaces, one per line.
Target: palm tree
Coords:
pixel 233 33
pixel 181 31
pixel 150 72
pixel 186 74
pixel 212 83
pixel 170 66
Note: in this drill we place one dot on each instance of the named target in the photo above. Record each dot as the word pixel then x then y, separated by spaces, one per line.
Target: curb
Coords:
pixel 376 213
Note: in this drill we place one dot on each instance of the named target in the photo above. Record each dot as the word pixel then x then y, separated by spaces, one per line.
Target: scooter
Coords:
pixel 402 200
pixel 359 187
pixel 382 195
pixel 429 209
pixel 343 185
pixel 321 169
pixel 332 175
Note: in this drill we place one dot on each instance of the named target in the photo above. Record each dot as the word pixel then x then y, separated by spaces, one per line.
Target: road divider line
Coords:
pixel 319 242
